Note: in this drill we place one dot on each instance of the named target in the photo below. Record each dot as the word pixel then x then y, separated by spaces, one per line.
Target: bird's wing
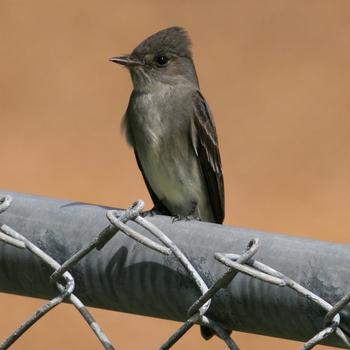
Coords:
pixel 158 205
pixel 205 143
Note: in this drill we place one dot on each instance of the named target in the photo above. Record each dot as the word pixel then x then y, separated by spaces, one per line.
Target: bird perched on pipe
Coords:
pixel 170 126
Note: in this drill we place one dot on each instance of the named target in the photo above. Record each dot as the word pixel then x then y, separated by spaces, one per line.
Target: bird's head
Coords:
pixel 165 58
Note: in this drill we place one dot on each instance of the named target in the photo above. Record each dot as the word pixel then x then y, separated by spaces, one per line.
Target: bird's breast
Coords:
pixel 157 118
pixel 160 127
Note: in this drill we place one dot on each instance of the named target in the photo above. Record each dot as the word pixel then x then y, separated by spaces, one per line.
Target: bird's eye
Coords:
pixel 161 60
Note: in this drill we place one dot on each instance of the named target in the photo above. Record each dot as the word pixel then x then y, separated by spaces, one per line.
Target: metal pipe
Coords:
pixel 129 277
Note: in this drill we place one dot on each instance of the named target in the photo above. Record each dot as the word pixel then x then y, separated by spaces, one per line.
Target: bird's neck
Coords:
pixel 164 86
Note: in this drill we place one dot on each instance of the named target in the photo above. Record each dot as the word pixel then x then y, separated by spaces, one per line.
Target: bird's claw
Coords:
pixel 154 211
pixel 151 213
pixel 184 218
pixel 190 216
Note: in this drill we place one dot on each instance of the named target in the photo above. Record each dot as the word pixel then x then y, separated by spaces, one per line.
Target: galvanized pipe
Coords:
pixel 129 277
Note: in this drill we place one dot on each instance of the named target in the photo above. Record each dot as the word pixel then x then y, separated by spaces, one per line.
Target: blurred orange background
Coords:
pixel 277 77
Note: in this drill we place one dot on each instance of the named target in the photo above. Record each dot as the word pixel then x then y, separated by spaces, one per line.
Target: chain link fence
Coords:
pixel 197 312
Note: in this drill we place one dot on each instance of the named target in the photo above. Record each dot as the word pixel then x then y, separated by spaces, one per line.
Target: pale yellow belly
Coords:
pixel 178 184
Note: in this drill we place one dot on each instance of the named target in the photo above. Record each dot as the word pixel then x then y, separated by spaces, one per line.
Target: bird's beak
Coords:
pixel 126 61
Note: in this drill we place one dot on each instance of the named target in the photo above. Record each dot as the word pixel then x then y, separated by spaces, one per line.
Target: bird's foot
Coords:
pixel 190 216
pixel 152 212
pixel 183 218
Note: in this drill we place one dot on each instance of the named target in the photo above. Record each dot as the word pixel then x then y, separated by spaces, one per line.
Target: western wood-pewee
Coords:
pixel 171 128
pixel 172 131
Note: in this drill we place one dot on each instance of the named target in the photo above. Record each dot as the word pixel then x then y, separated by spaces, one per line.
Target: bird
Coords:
pixel 171 128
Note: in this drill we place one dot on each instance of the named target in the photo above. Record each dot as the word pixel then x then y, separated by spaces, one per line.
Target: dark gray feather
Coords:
pixel 205 143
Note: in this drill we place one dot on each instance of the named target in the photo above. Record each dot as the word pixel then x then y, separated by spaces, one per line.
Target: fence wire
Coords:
pixel 235 263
